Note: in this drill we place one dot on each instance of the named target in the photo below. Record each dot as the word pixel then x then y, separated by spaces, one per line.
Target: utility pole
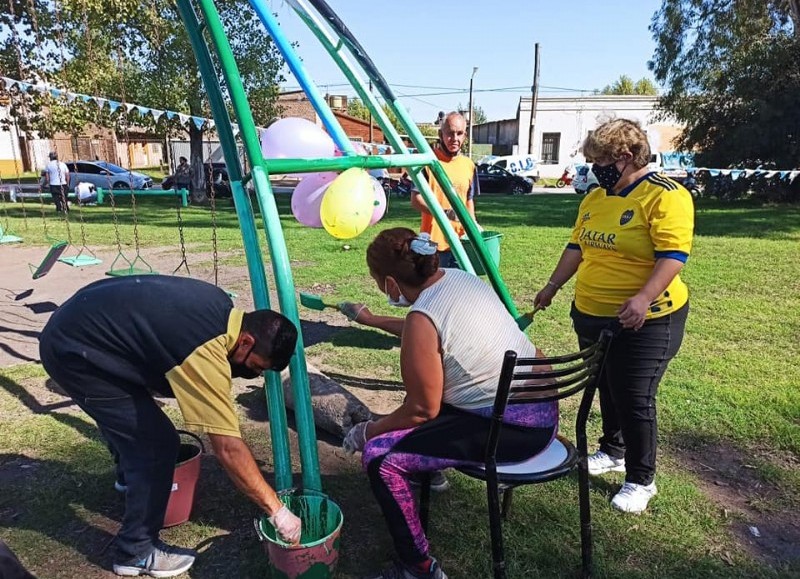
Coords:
pixel 534 97
pixel 469 124
pixel 371 138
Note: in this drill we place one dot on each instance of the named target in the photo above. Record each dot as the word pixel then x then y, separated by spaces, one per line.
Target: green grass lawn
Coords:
pixel 732 390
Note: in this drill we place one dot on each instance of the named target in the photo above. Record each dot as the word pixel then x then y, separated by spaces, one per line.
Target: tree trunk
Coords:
pixel 198 192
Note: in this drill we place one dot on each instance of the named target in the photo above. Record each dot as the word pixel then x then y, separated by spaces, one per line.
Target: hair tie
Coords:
pixel 423 245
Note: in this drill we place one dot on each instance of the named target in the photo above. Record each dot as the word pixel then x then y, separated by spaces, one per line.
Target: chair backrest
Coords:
pixel 527 380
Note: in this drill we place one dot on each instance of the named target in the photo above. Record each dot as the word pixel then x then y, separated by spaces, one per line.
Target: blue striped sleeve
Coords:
pixel 679 255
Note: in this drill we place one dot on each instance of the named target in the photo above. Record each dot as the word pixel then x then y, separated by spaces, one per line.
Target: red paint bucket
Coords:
pixel 184 481
pixel 316 555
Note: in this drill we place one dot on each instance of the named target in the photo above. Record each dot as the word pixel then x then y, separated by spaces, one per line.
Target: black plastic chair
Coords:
pixel 570 374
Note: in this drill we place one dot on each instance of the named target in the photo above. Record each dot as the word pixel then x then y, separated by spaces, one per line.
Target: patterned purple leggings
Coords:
pixel 454 438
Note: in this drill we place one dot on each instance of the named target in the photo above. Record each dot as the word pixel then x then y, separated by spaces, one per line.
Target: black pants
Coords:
pixel 136 430
pixel 10 567
pixel 447 259
pixel 59 195
pixel 635 363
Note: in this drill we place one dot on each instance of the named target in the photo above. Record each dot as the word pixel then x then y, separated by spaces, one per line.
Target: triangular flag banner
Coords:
pixel 9 82
pixel 142 110
pixel 157 114
pixel 85 98
pixel 114 105
pixel 785 174
pixel 71 96
pixel 55 93
pixel 101 102
pixel 183 118
pixel 24 86
pixel 171 115
pixel 129 107
pixel 198 122
pixel 211 124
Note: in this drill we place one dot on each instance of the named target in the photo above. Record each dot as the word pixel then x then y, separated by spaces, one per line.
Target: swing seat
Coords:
pixel 80 260
pixel 132 269
pixel 8 238
pixel 55 252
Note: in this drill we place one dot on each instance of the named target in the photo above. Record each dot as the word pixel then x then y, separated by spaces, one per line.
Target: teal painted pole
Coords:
pixel 278 422
pixel 282 166
pixel 304 417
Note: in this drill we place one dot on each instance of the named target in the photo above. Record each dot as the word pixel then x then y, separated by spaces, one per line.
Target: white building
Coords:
pixel 562 123
pixel 10 153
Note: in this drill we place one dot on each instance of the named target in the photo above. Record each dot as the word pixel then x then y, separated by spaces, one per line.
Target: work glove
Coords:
pixel 287 525
pixel 351 310
pixel 356 438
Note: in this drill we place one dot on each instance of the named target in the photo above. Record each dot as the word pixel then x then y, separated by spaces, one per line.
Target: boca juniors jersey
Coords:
pixel 621 237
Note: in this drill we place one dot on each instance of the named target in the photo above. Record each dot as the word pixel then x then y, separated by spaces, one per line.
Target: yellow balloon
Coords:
pixel 348 204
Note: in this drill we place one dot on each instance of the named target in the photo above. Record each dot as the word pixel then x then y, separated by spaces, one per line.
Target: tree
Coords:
pixel 478 115
pixel 356 108
pixel 133 52
pixel 624 85
pixel 732 74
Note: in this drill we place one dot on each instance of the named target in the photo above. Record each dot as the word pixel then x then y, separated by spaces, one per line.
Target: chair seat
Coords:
pixel 557 460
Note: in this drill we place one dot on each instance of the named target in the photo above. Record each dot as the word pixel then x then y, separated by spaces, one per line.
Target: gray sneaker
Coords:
pixel 164 561
pixel 439 482
pixel 400 571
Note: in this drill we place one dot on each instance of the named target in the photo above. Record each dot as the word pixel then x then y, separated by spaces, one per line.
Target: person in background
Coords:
pixel 451 353
pixel 86 193
pixel 10 566
pixel 632 237
pixel 56 175
pixel 183 175
pixel 462 174
pixel 115 344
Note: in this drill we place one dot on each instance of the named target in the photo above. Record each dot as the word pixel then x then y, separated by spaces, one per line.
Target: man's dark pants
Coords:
pixel 137 430
pixel 59 195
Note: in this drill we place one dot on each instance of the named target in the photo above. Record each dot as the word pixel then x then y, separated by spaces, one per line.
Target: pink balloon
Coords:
pixel 307 197
pixel 380 201
pixel 295 138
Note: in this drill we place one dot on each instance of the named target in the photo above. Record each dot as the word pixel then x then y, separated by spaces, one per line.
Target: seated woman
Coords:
pixel 453 341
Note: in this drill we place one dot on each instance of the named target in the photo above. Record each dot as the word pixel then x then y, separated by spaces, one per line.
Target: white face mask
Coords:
pixel 400 302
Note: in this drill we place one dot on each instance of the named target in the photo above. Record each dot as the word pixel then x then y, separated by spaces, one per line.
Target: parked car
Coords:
pixel 106 175
pixel 219 177
pixel 584 180
pixel 494 179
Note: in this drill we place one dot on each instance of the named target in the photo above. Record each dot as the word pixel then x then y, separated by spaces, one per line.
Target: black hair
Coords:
pixel 390 254
pixel 275 336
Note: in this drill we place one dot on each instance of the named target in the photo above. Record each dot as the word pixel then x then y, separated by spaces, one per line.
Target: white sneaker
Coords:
pixel 633 498
pixel 600 463
pixel 164 561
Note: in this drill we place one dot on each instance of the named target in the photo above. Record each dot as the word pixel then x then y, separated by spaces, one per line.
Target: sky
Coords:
pixel 424 48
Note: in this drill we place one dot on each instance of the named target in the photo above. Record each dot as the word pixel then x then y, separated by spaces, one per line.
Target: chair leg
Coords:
pixel 425 500
pixel 586 520
pixel 496 528
pixel 508 496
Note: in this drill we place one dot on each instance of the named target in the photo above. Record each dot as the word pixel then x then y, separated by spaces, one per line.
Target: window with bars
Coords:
pixel 551 143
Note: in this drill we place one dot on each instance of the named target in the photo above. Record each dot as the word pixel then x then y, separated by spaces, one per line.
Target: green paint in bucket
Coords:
pixel 316 555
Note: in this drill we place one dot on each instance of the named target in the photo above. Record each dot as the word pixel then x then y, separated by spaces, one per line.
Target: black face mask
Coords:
pixel 241 370
pixel 607 176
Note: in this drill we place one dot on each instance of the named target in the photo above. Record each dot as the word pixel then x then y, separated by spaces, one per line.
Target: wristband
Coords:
pixel 550 282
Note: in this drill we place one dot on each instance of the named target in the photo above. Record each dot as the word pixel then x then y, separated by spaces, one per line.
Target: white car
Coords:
pixel 584 180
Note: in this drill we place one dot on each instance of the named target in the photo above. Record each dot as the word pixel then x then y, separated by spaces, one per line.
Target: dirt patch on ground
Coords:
pixel 763 514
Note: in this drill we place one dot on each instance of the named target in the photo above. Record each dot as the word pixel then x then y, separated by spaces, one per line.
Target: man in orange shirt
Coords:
pixel 462 174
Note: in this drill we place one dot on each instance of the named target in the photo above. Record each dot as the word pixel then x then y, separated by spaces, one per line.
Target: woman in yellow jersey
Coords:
pixel 631 239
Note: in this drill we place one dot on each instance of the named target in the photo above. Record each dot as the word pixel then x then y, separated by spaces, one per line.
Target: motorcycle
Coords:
pixel 565 179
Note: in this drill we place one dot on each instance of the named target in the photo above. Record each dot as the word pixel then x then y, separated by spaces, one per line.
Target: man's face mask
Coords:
pixel 400 302
pixel 607 176
pixel 241 370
